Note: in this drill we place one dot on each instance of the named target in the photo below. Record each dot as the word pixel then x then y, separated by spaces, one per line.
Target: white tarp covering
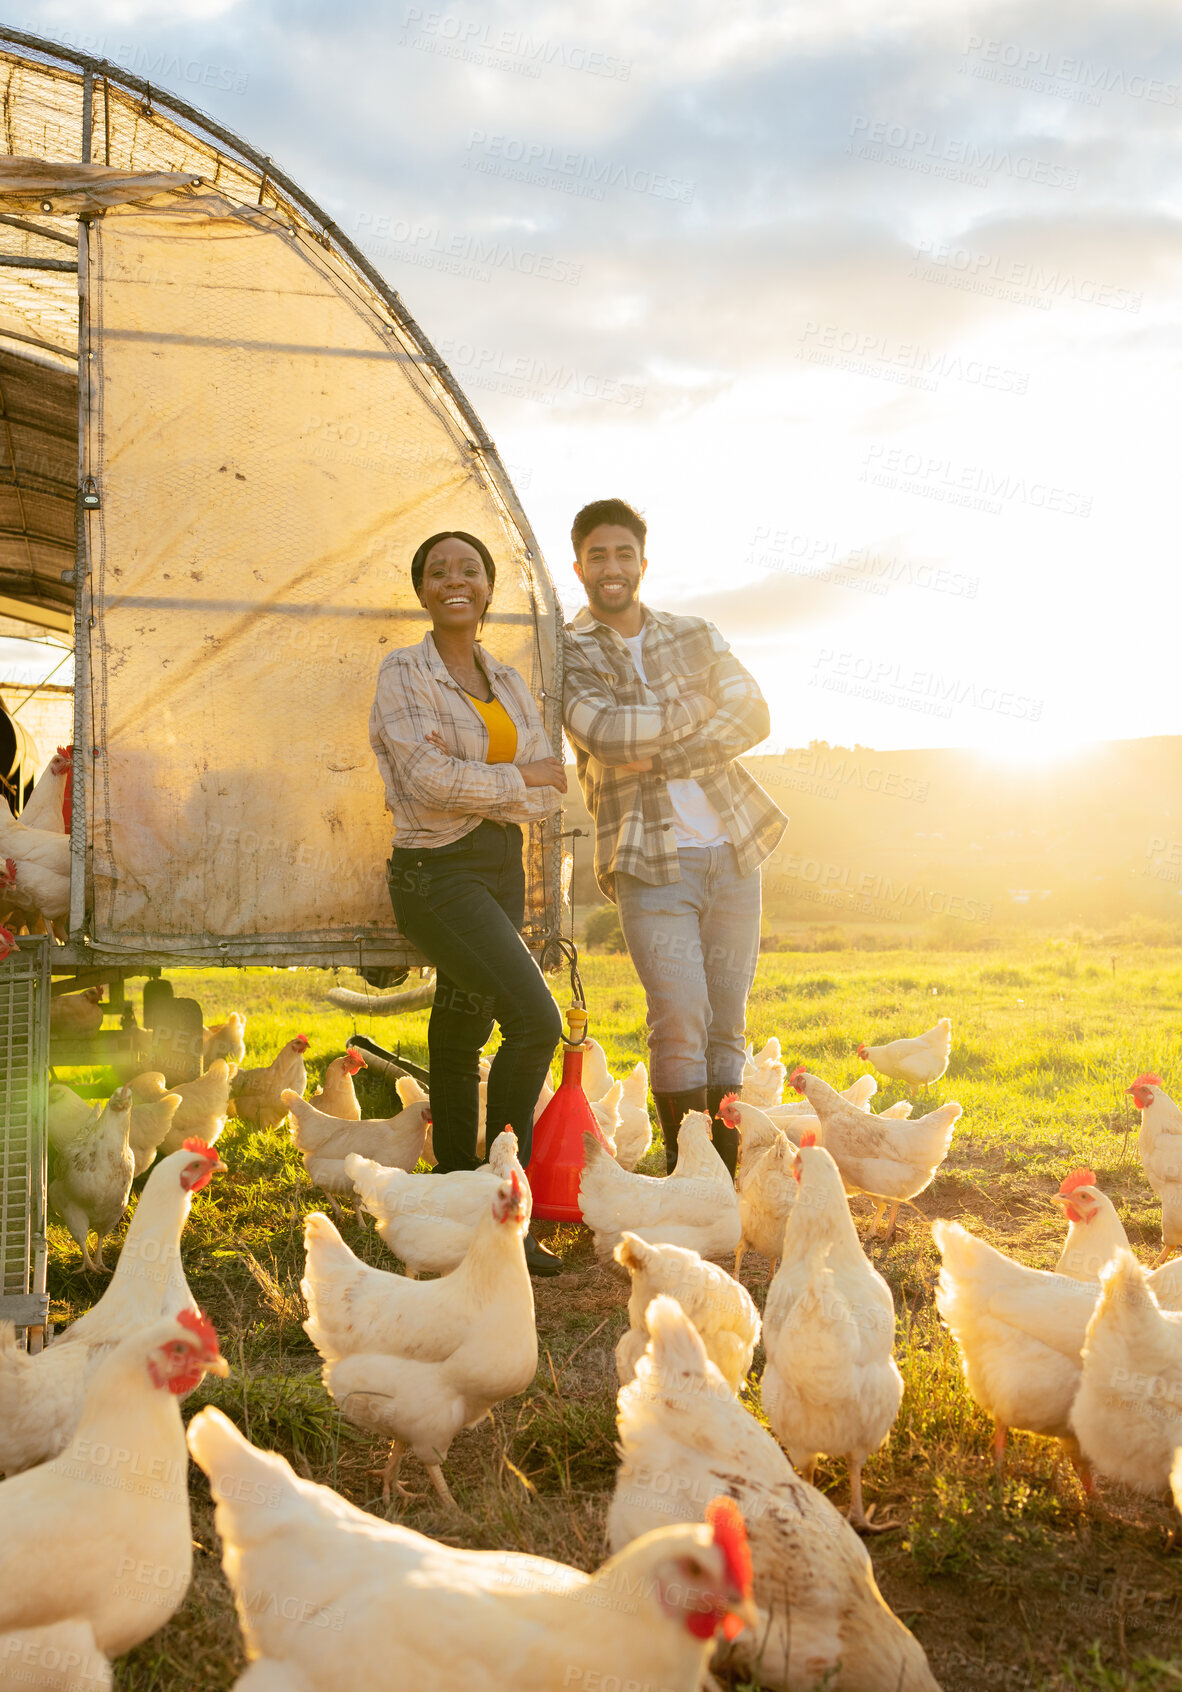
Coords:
pixel 269 449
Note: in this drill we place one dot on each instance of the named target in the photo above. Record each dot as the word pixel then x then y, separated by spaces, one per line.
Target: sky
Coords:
pixel 871 310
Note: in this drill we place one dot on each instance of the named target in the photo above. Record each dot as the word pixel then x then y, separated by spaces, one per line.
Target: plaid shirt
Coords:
pixel 611 719
pixel 434 797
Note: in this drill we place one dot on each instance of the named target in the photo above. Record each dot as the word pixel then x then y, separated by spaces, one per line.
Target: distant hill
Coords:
pixel 885 837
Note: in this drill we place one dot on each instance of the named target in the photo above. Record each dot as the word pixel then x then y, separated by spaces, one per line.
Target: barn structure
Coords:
pixel 223 437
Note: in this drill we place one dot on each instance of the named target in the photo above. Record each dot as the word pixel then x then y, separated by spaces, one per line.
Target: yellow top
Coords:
pixel 502 731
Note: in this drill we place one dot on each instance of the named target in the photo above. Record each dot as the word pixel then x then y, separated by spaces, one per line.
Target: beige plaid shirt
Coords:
pixel 434 797
pixel 612 719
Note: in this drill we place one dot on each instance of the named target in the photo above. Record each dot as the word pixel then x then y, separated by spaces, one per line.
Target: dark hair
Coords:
pixel 419 562
pixel 616 511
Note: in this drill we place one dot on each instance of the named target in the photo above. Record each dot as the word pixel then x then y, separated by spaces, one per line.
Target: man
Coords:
pixel 658 710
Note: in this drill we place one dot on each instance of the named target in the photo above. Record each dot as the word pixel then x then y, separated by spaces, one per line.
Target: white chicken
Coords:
pixel 596 1077
pixel 41 1396
pixel 696 1206
pixel 1127 1414
pixel 227 1040
pixel 634 1134
pixel 67 1113
pixel 422 1614
pixel 859 1093
pixel 36 868
pixel 256 1095
pixel 1095 1233
pixel 64 1658
pixel 324 1142
pixel 93 1175
pixel 50 805
pixel 606 1112
pixel 1021 1332
pixel 831 1384
pixel 419 1360
pixel 766 1198
pixel 1160 1145
pixel 890 1160
pixel 151 1125
pixel 411 1093
pixel 101 1534
pixel 685 1437
pixel 428 1220
pixel 201 1113
pixel 763 1076
pixel 918 1062
pixel 722 1311
pixel 338 1096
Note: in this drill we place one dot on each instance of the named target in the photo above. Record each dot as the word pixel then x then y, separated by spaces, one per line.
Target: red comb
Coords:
pixel 201 1326
pixel 199 1148
pixel 1077 1178
pixel 730 1535
pixel 794 1078
pixel 1141 1081
pixel 10 868
pixel 728 1099
pixel 808 1138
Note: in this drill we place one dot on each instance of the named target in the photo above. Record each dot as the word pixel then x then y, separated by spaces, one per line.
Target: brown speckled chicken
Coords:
pixel 93 1176
pixel 684 1436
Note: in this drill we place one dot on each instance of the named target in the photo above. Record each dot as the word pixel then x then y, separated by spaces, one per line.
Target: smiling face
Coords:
pixel 610 566
pixel 455 590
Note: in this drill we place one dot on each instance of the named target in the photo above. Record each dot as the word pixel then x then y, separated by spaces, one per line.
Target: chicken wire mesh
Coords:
pixel 24 1059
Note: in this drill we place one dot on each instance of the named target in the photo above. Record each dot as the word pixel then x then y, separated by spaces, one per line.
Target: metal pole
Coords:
pixel 87 114
pixel 83 760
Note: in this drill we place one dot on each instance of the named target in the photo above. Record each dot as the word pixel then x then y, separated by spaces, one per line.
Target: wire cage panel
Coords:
pixel 24 1074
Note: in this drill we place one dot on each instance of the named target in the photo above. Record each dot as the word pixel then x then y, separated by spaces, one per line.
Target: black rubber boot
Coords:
pixel 671 1107
pixel 726 1140
pixel 539 1259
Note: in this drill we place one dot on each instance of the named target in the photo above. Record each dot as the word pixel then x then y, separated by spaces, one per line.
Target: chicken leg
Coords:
pixel 440 1485
pixel 1079 1463
pixel 1000 1435
pixel 390 1481
pixel 1161 1257
pixel 858 1517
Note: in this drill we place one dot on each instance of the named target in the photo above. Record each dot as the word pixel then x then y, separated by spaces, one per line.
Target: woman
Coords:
pixel 465 761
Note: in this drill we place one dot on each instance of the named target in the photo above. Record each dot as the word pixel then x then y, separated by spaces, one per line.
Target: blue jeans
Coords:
pixel 695 945
pixel 463 905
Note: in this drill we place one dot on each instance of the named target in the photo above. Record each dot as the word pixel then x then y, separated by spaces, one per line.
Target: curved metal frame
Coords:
pixel 67 61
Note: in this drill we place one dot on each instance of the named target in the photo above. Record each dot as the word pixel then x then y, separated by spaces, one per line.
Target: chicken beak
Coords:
pixel 744 1612
pixel 221 1168
pixel 218 1366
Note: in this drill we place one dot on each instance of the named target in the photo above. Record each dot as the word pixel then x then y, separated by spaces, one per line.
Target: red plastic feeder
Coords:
pixel 556 1162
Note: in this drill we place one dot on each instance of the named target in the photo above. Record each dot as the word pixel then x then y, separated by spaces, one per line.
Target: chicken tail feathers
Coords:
pixel 248 1485
pixel 675 1346
pixel 633 1253
pixel 330 1273
pixel 1125 1303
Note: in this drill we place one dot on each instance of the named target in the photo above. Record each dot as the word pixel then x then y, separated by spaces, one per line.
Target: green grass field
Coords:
pixel 1010 1585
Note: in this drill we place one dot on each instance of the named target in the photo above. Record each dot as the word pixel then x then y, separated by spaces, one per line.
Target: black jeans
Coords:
pixel 463 905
